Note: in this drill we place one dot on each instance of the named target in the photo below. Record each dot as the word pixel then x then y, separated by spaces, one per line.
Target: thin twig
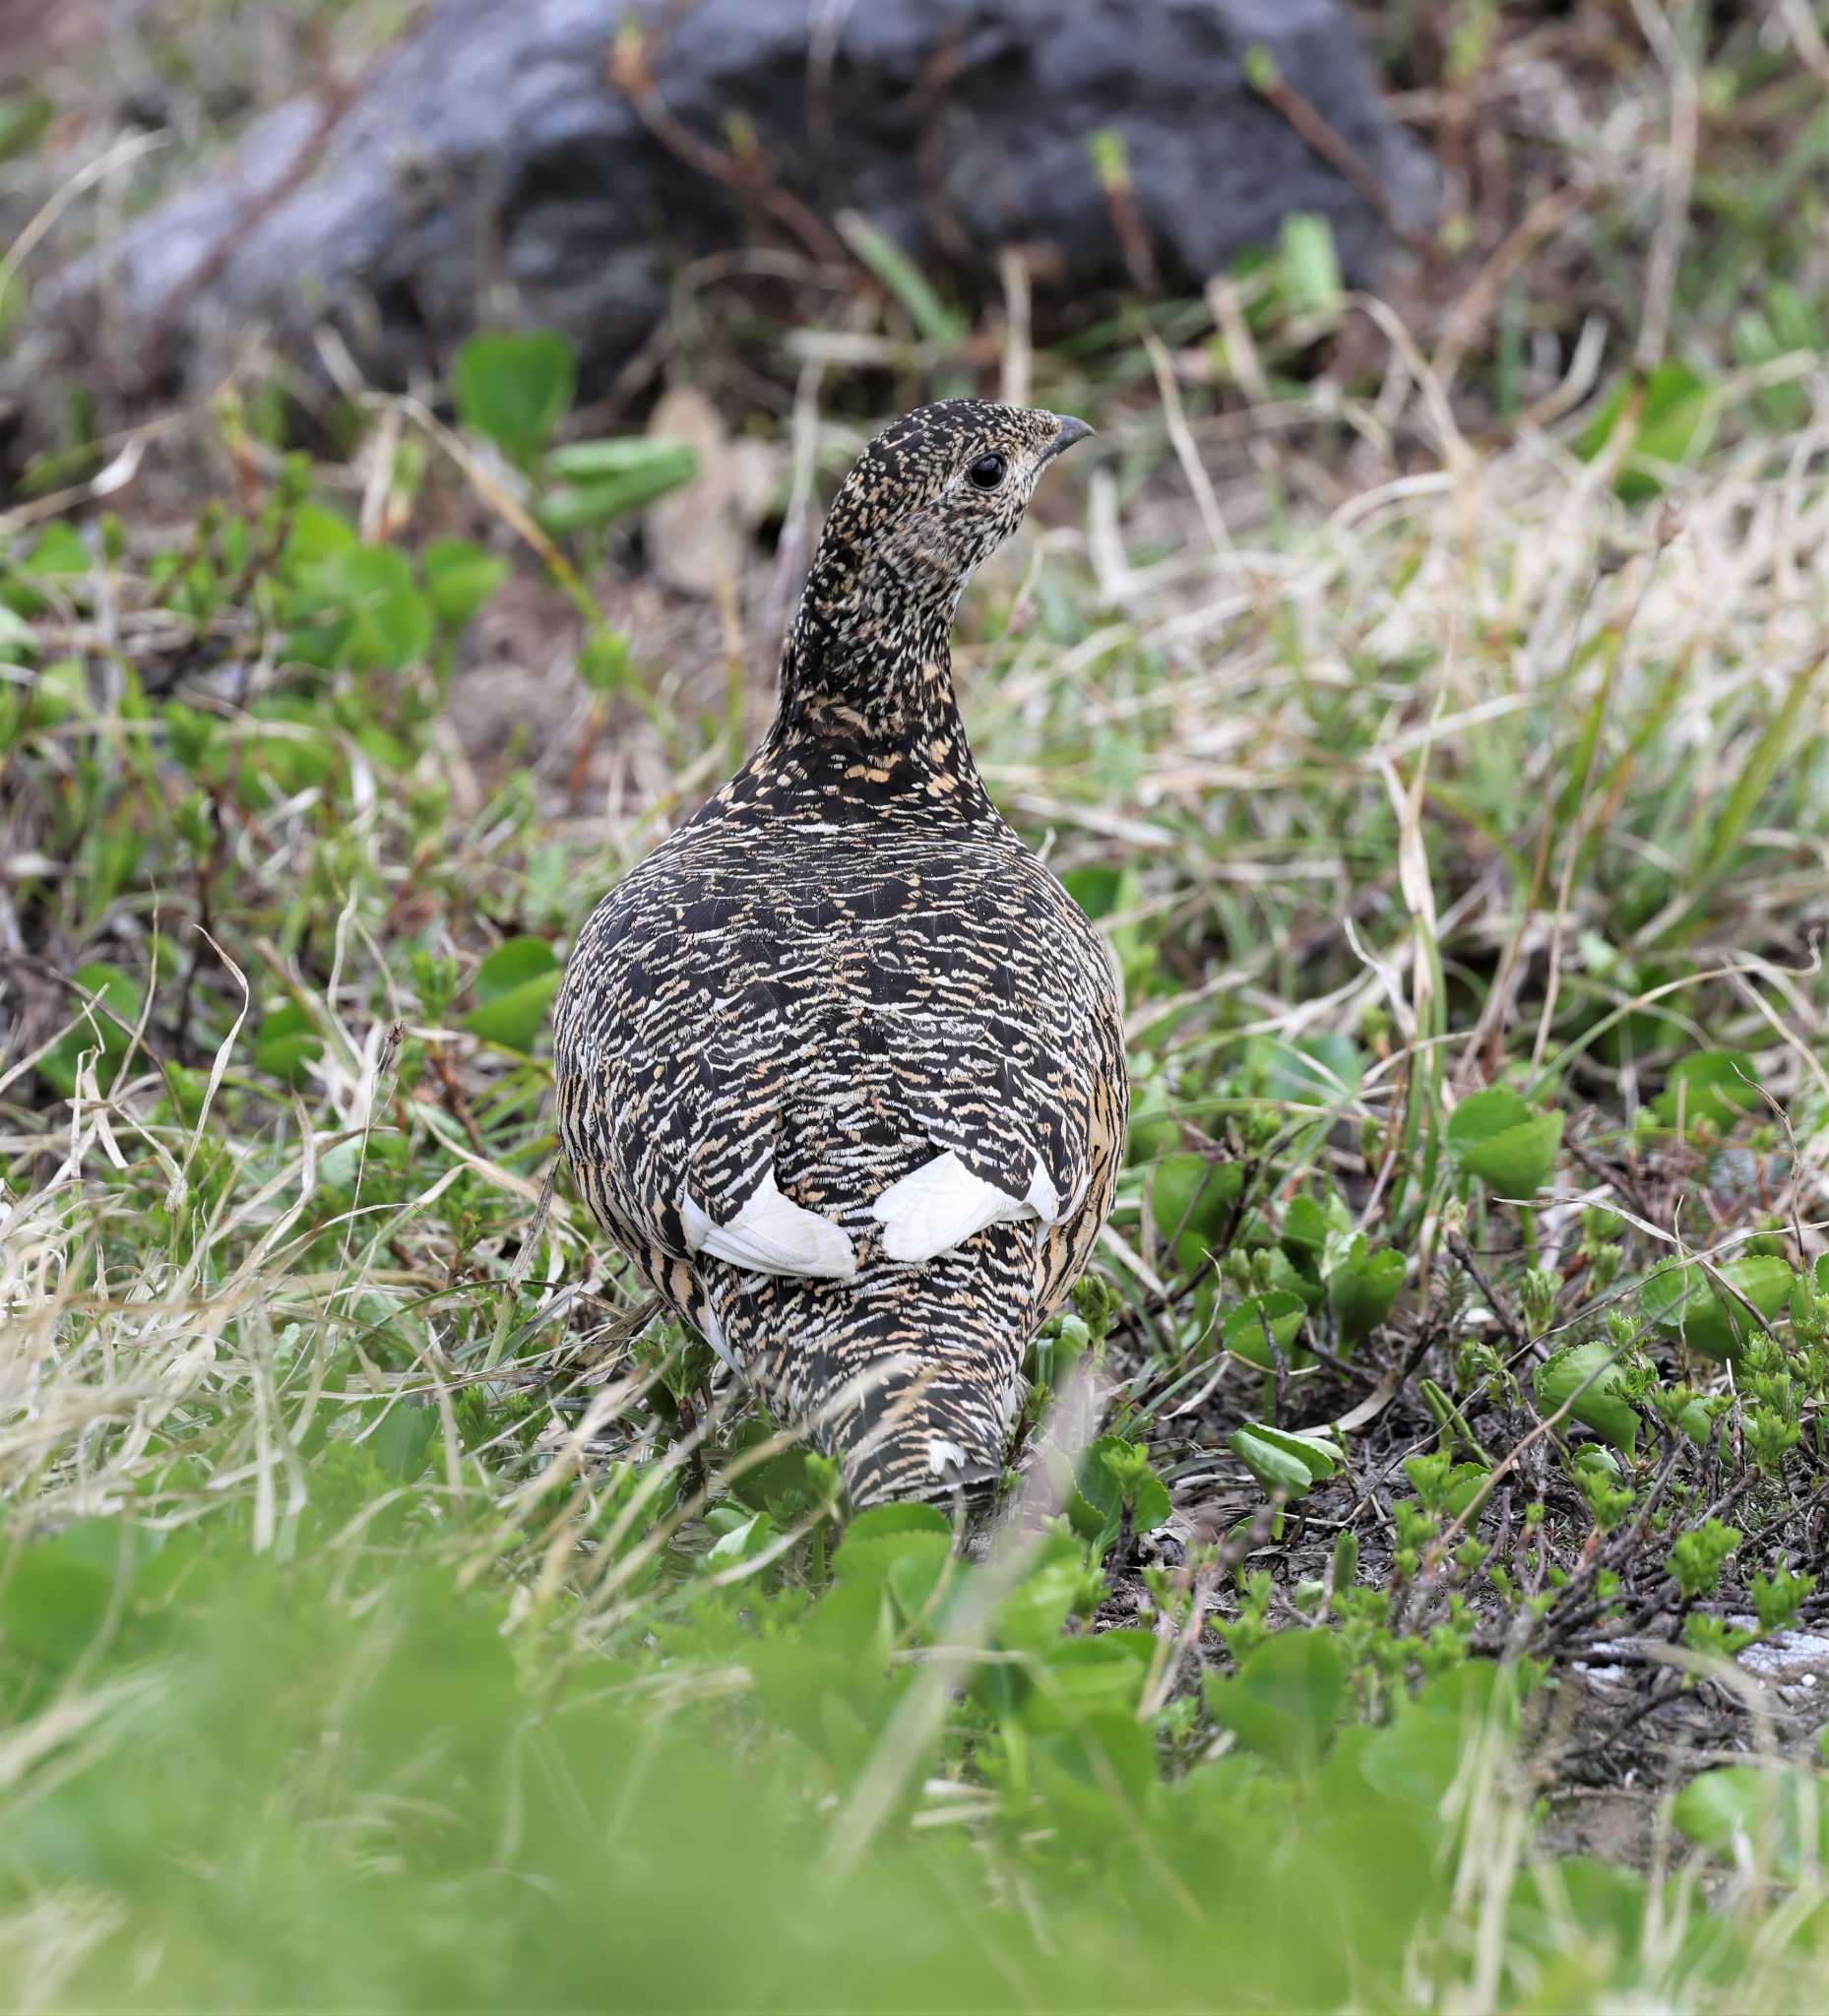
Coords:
pixel 251 216
pixel 749 177
pixel 1311 124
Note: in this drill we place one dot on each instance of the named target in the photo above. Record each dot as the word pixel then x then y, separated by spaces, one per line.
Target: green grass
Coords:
pixel 394 1614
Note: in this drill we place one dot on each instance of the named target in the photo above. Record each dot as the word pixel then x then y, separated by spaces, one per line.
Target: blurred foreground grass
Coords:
pixel 341 1783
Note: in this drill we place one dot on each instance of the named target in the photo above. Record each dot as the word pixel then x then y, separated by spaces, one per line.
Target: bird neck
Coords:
pixel 867 689
pixel 886 686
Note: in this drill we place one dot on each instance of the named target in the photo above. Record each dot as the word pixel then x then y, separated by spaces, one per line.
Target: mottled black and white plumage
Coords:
pixel 841 1064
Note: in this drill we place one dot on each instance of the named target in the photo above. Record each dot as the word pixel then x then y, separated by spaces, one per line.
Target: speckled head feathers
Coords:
pixel 932 496
pixel 938 490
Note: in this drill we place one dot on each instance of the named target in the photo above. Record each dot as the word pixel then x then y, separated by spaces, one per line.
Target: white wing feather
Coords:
pixel 941 1204
pixel 772 1235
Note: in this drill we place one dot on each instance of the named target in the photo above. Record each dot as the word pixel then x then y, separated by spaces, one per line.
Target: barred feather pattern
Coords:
pixel 845 966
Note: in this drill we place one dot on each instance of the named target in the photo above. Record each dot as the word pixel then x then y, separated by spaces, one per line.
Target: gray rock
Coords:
pixel 491 168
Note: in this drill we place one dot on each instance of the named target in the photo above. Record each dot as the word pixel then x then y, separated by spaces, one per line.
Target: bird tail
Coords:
pixel 912 1429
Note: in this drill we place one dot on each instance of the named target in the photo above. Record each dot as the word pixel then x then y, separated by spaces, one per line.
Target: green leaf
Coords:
pixel 1260 67
pixel 287 762
pixel 1311 265
pixel 1575 1898
pixel 288 1041
pixel 56 1595
pixel 654 457
pixel 1273 1465
pixel 511 965
pixel 1110 155
pixel 1603 1407
pixel 403 1441
pixel 876 1558
pixel 515 387
pixel 1305 1226
pixel 1110 1467
pixel 1032 1615
pixel 1797 321
pixel 1086 1676
pixel 60 550
pixel 1671 415
pixel 878 1541
pixel 384 750
pixel 1465 1483
pixel 22 119
pixel 1292 1276
pixel 1696 1422
pixel 1495 1136
pixel 1192 1200
pixel 460 578
pixel 383 620
pixel 316 533
pixel 1282 1462
pixel 1287 1698
pixel 606 479
pixel 1756 342
pixel 58 694
pixel 919 1564
pixel 1738 1805
pixel 763 1486
pixel 732 1542
pixel 604 660
pixel 1079 1770
pixel 1418 1757
pixel 1099 888
pixel 1686 1301
pixel 882 1522
pixel 1241 1330
pixel 516 983
pixel 95 1031
pixel 18 638
pixel 1362 1288
pixel 1713 1085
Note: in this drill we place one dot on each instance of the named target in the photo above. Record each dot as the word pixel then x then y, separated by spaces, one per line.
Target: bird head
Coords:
pixel 931 497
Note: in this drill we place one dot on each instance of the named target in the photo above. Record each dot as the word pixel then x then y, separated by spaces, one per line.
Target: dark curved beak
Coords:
pixel 1071 430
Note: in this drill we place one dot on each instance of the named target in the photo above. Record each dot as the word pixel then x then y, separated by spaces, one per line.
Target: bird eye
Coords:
pixel 987 472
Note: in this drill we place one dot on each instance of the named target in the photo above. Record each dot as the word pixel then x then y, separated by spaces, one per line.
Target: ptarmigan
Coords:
pixel 841 1064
